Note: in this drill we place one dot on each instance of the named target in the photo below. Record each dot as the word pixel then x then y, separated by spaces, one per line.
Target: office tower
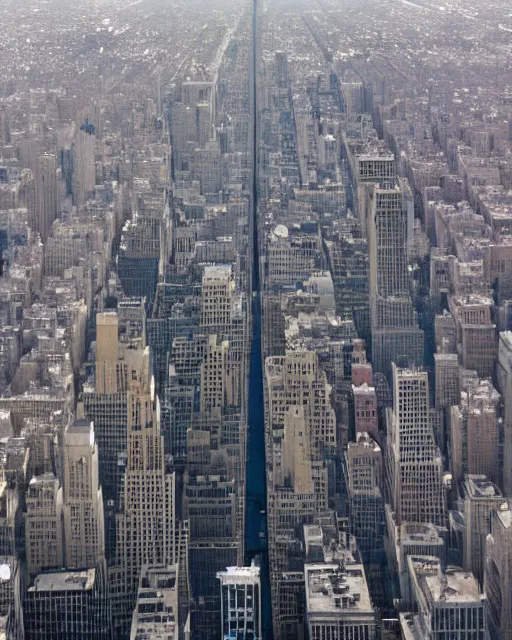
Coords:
pixel 241 602
pixel 338 603
pixel 445 333
pixel 205 559
pixel 46 194
pixel 213 377
pixel 217 289
pixel 5 130
pixel 9 575
pixel 415 468
pixel 348 262
pixel 444 602
pixel 107 326
pixel 413 540
pixel 157 613
pixel 498 574
pixel 84 534
pixel 207 170
pixel 365 411
pixel 297 379
pixel 301 422
pixel 481 499
pixel 12 581
pixel 177 411
pixel 387 242
pixel 210 505
pixel 144 236
pixel 146 528
pixel 84 163
pixel 479 348
pixel 447 380
pixel 482 432
pixel 474 432
pixel 121 356
pixel 504 377
pixel 395 332
pixel 192 119
pixel 291 256
pixel 296 463
pixel 43 524
pixel 363 480
pixel 10 515
pixel 67 604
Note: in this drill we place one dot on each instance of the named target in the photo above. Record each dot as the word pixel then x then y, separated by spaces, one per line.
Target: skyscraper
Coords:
pixel 83 166
pixel 448 601
pixel 46 194
pixel 395 332
pixel 61 605
pixel 147 527
pixel 43 524
pixel 415 467
pixel 241 603
pixel 481 499
pixel 84 533
pixel 363 479
pixel 157 613
pixel 498 573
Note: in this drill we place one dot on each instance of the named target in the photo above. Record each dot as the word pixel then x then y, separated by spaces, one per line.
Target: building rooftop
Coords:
pixel 333 589
pixel 454 587
pixel 217 271
pixel 65 581
pixel 479 486
pixel 420 534
pixel 242 575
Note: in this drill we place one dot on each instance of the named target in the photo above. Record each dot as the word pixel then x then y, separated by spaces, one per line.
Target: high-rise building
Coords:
pixel 365 410
pixel 121 356
pixel 474 432
pixel 447 603
pixel 498 573
pixel 395 333
pixel 504 377
pixel 217 291
pixel 338 603
pixel 65 604
pixel 157 613
pixel 10 516
pixel 143 239
pixel 363 479
pixel 43 524
pixel 447 380
pixel 415 467
pixel 84 534
pixel 302 420
pixel 84 163
pixel 12 584
pixel 241 603
pixel 481 499
pixel 192 118
pixel 147 528
pixel 107 326
pixel 46 194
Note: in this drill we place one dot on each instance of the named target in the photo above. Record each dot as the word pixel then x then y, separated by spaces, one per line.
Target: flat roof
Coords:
pixel 332 589
pixel 65 581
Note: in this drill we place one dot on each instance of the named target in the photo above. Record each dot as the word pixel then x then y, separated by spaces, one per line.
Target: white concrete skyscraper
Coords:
pixel 84 533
